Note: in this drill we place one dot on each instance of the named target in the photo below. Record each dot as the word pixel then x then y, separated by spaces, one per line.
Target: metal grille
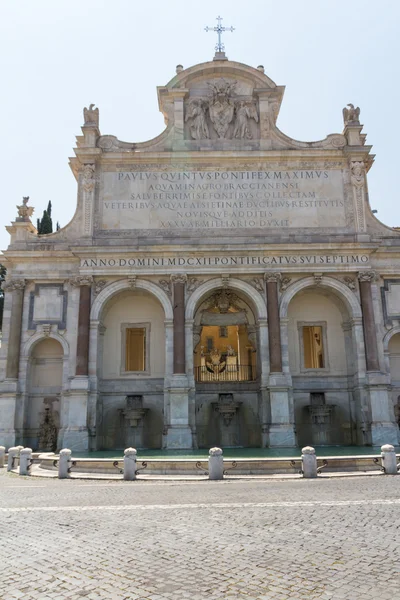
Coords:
pixel 227 373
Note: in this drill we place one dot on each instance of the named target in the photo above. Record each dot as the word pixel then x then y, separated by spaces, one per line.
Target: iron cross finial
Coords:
pixel 219 46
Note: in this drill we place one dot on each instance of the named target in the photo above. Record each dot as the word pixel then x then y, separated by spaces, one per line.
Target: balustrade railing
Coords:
pixel 216 373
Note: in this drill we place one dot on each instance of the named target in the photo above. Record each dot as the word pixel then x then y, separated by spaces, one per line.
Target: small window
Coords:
pixel 313 347
pixel 210 343
pixel 223 331
pixel 135 349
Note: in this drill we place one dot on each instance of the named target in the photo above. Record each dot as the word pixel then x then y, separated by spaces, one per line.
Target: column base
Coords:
pixel 384 433
pixel 8 404
pixel 74 438
pixel 179 437
pixel 282 435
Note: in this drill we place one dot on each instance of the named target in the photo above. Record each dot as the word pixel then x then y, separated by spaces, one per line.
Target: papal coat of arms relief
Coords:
pixel 218 111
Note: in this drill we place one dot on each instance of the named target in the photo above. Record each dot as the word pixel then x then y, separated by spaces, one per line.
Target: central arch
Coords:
pixel 225 379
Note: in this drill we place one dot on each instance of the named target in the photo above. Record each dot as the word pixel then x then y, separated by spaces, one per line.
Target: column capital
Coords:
pixel 178 278
pixel 80 280
pixel 272 277
pixel 369 276
pixel 14 284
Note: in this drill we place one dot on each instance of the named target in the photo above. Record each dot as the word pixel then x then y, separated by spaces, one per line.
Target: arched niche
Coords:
pixel 131 367
pixel 130 310
pixel 44 389
pixel 322 358
pixel 225 331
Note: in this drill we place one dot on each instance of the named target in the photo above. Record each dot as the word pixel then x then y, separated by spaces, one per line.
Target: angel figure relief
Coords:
pixel 195 115
pixel 244 112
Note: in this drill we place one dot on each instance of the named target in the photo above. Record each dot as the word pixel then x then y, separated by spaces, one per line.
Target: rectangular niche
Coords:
pixel 390 294
pixel 48 304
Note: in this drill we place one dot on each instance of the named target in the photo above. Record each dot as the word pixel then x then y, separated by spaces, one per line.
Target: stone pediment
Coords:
pixel 218 105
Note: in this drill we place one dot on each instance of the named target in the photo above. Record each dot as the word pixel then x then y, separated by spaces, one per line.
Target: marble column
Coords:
pixel 82 347
pixel 274 329
pixel 178 433
pixel 370 341
pixel 15 286
pixel 281 425
pixel 179 324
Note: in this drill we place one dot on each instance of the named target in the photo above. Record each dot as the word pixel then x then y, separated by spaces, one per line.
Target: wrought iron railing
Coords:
pixel 220 373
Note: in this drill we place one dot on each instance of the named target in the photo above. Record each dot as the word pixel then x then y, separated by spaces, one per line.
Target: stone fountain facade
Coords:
pixel 221 232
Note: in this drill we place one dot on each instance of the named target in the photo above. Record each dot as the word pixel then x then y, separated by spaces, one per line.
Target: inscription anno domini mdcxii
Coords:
pixel 222 199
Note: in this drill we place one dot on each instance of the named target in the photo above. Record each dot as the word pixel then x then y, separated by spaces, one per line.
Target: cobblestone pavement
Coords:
pixel 247 540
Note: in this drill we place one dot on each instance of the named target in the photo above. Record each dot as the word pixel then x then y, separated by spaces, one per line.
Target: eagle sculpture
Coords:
pixel 351 114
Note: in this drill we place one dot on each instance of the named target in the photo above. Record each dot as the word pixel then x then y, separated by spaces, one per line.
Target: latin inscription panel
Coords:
pixel 212 200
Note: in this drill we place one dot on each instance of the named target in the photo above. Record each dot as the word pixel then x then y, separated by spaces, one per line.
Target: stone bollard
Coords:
pixel 130 464
pixel 215 464
pixel 2 456
pixel 388 459
pixel 12 456
pixel 25 458
pixel 309 461
pixel 64 463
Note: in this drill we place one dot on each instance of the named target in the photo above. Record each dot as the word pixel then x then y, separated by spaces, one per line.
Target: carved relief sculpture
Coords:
pixel 258 284
pixel 166 286
pixel 196 117
pixel 192 284
pixel 351 115
pixel 91 116
pixel 285 282
pixel 358 181
pixel 88 184
pixel 99 285
pixel 88 181
pixel 221 106
pixel 244 112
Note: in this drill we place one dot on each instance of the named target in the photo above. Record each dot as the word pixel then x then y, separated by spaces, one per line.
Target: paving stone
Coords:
pixel 281 540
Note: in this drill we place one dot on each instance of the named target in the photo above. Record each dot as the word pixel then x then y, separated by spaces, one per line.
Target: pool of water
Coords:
pixel 240 452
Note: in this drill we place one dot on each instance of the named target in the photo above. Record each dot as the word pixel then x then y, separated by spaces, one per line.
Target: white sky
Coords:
pixel 58 56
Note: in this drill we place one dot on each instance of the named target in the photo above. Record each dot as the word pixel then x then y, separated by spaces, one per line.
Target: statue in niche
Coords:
pixel 195 115
pixel 221 106
pixel 90 116
pixel 48 430
pixel 215 365
pixel 351 115
pixel 244 112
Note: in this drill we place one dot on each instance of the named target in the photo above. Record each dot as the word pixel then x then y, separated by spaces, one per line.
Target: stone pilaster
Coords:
pixel 370 341
pixel 16 287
